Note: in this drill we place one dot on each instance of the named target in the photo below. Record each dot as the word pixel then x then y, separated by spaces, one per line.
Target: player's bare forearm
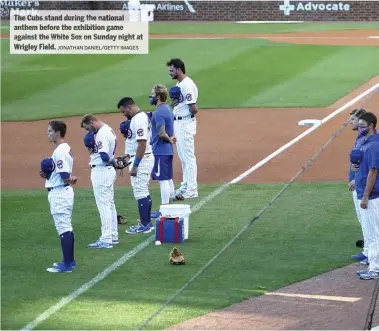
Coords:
pixel 194 109
pixel 141 149
pixel 371 178
pixel 163 134
pixel 71 180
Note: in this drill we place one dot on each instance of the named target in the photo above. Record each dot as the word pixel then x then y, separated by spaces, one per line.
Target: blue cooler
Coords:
pixel 169 230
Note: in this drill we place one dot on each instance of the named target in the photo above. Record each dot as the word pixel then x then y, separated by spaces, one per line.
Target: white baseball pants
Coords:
pixel 140 183
pixel 370 221
pixel 358 211
pixel 103 179
pixel 185 131
pixel 61 201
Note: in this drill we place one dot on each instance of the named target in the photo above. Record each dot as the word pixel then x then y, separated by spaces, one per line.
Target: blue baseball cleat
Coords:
pixel 60 267
pixel 360 272
pixel 73 264
pixel 100 244
pixel 140 229
pixel 369 275
pixel 359 257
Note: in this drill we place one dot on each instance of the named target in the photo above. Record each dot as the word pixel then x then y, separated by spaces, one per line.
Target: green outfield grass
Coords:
pixel 226 27
pixel 229 73
pixel 311 229
pixel 231 27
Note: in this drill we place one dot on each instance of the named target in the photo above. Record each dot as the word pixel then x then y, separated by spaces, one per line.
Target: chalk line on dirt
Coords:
pixel 127 256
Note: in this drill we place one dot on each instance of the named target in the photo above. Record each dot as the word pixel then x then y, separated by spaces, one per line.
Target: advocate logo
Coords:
pixel 287 7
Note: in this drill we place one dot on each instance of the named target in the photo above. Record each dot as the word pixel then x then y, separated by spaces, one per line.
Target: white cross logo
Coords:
pixel 286 7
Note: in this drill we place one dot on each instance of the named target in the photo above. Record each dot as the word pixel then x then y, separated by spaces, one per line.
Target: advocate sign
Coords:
pixel 287 7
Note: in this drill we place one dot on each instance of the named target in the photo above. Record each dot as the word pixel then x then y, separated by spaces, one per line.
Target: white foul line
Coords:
pixel 316 297
pixel 66 300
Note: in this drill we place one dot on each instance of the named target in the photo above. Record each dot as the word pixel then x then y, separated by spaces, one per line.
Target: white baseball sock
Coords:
pixel 165 191
pixel 172 188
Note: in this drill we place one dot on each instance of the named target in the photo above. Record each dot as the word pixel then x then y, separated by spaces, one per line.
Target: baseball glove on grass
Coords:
pixel 121 219
pixel 176 257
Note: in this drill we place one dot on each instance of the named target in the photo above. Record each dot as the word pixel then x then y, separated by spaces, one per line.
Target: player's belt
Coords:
pixel 51 188
pixel 144 155
pixel 178 118
pixel 98 165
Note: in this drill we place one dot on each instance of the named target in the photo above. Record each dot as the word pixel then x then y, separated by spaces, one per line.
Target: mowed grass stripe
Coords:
pixel 232 27
pixel 294 240
pixel 99 90
pixel 43 80
pixel 258 71
pixel 335 73
pixel 227 28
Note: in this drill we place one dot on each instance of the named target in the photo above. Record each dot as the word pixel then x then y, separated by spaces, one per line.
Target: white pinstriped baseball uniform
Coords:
pixel 185 126
pixel 140 129
pixel 61 197
pixel 103 178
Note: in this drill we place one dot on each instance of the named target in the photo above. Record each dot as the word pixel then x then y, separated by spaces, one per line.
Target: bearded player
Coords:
pixel 138 146
pixel 184 109
pixel 163 139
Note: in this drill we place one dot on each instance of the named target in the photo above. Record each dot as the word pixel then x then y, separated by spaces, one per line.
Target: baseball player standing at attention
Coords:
pixel 185 109
pixel 103 177
pixel 138 146
pixel 163 140
pixel 58 173
pixel 354 119
pixel 367 187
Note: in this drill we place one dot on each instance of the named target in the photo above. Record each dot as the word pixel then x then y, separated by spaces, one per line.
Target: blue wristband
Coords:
pixel 136 162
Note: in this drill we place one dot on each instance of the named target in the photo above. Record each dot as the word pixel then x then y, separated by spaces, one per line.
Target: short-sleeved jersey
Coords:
pixel 106 141
pixel 370 149
pixel 162 116
pixel 189 95
pixel 63 162
pixel 140 129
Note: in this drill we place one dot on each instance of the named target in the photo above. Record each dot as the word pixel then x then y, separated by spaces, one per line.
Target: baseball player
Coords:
pixel 367 187
pixel 57 171
pixel 185 109
pixel 354 118
pixel 103 177
pixel 162 142
pixel 137 145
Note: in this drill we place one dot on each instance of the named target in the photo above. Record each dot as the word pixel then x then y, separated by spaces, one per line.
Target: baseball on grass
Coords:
pixel 157 243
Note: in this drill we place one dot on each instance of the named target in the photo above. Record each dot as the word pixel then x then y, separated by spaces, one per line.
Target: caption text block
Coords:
pixel 77 32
